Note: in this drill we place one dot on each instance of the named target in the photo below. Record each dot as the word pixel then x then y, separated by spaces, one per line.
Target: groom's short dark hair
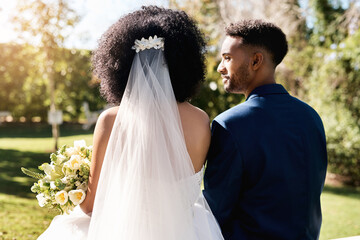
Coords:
pixel 261 34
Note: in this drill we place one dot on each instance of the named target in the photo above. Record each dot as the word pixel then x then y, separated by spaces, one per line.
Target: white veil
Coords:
pixel 144 192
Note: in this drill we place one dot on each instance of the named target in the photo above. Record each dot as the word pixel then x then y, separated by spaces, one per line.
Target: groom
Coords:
pixel 267 160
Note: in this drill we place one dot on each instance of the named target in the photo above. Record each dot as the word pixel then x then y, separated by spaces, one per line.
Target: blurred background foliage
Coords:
pixel 322 67
pixel 24 89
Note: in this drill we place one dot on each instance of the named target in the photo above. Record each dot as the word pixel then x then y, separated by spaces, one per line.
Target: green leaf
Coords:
pixel 35 188
pixel 53 157
pixel 59 208
pixel 32 174
pixel 59 184
pixel 62 149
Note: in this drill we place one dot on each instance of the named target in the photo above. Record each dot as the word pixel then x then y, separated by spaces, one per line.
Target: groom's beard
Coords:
pixel 239 81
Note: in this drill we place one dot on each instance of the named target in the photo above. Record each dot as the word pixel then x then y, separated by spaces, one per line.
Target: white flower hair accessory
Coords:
pixel 152 42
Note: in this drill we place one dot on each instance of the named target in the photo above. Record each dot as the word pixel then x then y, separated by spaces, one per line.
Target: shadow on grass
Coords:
pixel 12 180
pixel 40 130
pixel 345 191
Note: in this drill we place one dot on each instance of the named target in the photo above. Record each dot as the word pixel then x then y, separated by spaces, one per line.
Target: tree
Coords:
pixel 284 13
pixel 327 19
pixel 332 89
pixel 20 81
pixel 75 83
pixel 351 17
pixel 50 22
pixel 24 85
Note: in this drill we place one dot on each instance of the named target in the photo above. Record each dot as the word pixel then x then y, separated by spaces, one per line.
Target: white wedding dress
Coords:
pixel 75 226
pixel 148 188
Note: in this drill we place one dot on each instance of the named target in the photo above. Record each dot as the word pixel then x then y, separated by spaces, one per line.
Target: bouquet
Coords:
pixel 64 182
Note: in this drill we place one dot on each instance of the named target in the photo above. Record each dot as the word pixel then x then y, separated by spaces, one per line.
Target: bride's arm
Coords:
pixel 100 140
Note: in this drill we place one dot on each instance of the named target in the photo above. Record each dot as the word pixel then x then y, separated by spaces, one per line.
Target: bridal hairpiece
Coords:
pixel 152 42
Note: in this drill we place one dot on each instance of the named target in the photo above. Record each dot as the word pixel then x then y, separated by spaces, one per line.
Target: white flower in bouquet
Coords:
pixel 77 196
pixel 51 171
pixel 41 199
pixel 48 169
pixel 64 180
pixel 74 162
pixel 78 145
pixel 61 197
pixel 60 159
pixel 41 183
pixel 52 185
pixel 71 151
pixel 87 161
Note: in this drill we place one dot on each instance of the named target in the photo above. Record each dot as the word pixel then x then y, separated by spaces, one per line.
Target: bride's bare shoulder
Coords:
pixel 193 114
pixel 109 115
pixel 106 121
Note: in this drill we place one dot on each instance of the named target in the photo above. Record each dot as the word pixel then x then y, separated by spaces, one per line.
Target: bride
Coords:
pixel 149 152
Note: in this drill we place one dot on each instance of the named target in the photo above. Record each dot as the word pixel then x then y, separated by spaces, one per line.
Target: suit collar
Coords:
pixel 268 89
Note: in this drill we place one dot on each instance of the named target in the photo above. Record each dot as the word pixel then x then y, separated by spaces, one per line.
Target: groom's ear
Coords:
pixel 257 60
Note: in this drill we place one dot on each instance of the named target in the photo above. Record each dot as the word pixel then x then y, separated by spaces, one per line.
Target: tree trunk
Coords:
pixel 50 73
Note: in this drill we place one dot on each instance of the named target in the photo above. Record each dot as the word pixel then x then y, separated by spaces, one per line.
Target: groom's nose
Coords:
pixel 221 68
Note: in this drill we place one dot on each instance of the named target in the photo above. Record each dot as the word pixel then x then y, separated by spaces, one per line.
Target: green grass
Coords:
pixel 38 138
pixel 22 218
pixel 26 145
pixel 341 212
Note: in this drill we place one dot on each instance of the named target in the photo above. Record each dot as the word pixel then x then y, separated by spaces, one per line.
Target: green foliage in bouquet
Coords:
pixel 32 174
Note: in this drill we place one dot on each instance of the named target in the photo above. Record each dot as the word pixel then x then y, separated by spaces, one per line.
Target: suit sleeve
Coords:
pixel 222 180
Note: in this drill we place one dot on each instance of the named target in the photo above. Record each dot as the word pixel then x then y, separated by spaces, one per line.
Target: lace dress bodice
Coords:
pixel 196 181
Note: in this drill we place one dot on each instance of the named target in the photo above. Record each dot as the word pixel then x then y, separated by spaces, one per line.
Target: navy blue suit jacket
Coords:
pixel 266 168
